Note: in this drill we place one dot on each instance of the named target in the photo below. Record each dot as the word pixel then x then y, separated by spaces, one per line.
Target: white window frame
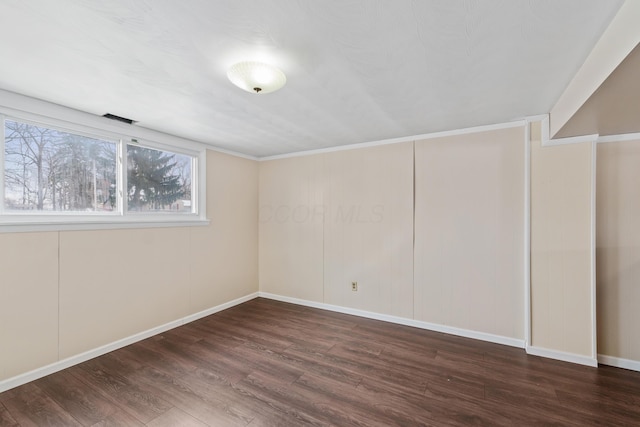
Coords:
pixel 97 127
pixel 155 146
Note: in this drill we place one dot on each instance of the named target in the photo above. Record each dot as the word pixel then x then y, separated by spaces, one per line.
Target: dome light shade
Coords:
pixel 256 77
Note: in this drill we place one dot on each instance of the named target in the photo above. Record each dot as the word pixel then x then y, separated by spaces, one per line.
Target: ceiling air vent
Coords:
pixel 118 118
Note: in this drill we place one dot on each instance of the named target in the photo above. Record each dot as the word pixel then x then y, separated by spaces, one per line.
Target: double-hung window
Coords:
pixel 57 175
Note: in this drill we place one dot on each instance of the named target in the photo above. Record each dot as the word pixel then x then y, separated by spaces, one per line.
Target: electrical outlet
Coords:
pixel 354 286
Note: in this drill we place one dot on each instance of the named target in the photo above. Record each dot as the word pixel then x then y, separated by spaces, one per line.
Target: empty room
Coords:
pixel 327 213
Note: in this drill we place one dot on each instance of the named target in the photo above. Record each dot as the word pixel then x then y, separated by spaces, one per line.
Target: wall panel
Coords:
pixel 116 283
pixel 618 249
pixel 223 257
pixel 561 295
pixel 28 302
pixel 368 229
pixel 469 231
pixel 63 293
pixel 291 216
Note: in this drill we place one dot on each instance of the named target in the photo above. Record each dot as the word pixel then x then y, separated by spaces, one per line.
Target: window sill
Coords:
pixel 98 224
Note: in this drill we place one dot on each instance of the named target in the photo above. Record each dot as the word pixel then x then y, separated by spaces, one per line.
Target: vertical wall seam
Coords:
pixel 324 229
pixel 413 229
pixel 527 235
pixel 58 314
pixel 190 277
pixel 594 320
pixel 258 225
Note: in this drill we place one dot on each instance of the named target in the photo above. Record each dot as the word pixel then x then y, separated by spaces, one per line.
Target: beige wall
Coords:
pixel 366 197
pixel 28 302
pixel 329 219
pixel 224 256
pixel 469 231
pixel 291 227
pixel 561 262
pixel 305 227
pixel 115 283
pixel 368 229
pixel 618 249
pixel 63 293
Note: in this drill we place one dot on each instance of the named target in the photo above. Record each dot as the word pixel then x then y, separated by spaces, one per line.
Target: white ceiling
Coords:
pixel 357 70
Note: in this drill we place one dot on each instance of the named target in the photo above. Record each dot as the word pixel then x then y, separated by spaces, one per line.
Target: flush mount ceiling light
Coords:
pixel 256 77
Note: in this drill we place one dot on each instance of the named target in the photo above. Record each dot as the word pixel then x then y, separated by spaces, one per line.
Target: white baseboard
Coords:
pixel 513 342
pixel 619 362
pixel 563 356
pixel 83 357
pixel 213 310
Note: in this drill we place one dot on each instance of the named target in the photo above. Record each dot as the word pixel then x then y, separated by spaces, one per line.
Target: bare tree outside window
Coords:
pixel 51 170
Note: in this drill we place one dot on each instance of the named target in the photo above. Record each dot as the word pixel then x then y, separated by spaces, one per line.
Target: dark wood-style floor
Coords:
pixel 266 363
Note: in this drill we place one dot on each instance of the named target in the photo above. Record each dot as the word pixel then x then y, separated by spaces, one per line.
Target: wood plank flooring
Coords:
pixel 267 363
